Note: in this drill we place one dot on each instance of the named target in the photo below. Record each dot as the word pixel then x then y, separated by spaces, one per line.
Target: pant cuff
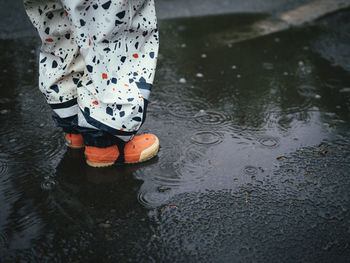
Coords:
pixel 100 139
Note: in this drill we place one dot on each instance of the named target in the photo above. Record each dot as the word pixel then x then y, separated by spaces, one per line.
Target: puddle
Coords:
pixel 253 167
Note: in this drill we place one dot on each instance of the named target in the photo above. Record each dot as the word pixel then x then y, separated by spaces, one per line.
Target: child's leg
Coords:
pixel 103 57
pixel 118 41
pixel 60 64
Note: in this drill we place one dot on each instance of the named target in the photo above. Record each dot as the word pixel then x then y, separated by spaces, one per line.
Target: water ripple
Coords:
pixel 168 181
pixel 186 109
pixel 250 170
pixel 212 118
pixel 56 145
pixel 191 164
pixel 48 184
pixel 207 137
pixel 3 240
pixel 3 167
pixel 183 170
pixel 192 154
pixel 269 141
pixel 169 154
pixel 152 198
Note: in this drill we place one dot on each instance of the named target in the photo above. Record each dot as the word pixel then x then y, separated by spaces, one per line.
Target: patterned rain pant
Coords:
pixel 97 64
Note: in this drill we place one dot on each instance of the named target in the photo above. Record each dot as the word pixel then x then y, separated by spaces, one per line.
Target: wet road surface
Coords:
pixel 254 163
pixel 14 22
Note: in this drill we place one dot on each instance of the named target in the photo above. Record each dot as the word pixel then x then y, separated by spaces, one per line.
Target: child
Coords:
pixel 96 69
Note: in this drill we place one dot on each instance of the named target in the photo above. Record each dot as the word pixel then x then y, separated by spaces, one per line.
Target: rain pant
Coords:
pixel 97 64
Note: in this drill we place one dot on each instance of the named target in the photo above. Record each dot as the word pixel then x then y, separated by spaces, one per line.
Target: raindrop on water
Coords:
pixel 269 142
pixel 200 113
pixel 250 170
pixel 182 80
pixel 212 118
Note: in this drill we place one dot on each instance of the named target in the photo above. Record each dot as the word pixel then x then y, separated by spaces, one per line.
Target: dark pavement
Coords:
pixel 14 22
pixel 254 163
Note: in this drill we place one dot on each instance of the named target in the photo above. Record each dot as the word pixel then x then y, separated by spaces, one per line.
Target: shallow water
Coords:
pixel 254 162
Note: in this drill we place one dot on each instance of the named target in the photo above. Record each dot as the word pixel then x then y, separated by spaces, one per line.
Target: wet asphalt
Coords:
pixel 254 163
pixel 14 22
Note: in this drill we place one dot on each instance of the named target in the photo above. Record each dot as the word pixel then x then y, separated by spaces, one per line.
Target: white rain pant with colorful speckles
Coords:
pixel 97 60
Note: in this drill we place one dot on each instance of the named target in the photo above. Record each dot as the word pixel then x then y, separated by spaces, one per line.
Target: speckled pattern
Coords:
pixel 99 55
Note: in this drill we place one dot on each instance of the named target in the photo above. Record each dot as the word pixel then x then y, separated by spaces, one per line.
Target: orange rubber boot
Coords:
pixel 140 149
pixel 74 141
